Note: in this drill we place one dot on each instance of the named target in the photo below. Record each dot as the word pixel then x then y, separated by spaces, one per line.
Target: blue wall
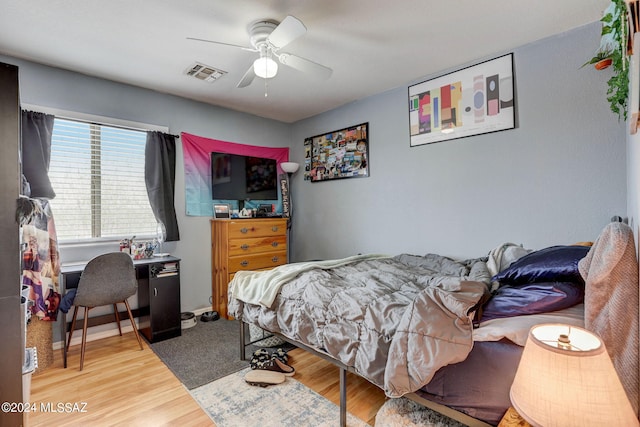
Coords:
pixel 557 178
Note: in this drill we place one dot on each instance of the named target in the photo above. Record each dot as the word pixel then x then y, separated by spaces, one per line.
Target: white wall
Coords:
pixel 555 179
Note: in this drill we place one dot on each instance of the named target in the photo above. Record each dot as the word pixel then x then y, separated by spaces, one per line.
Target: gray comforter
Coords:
pixel 395 321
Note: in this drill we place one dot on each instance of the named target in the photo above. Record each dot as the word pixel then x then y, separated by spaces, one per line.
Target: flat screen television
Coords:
pixel 243 178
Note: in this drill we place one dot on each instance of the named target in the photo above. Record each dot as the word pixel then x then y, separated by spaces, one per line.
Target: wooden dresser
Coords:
pixel 243 244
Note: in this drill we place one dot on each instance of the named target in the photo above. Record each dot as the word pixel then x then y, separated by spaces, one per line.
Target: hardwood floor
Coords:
pixel 120 384
pixel 363 398
pixel 124 386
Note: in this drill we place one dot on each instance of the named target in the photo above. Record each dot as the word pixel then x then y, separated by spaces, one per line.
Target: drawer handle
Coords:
pixel 274 228
pixel 275 259
pixel 244 263
pixel 244 230
pixel 244 247
pixel 274 244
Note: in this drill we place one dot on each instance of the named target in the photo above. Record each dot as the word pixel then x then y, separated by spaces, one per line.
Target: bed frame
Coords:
pixel 444 410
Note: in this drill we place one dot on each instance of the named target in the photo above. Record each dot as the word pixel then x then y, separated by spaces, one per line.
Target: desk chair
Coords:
pixel 107 279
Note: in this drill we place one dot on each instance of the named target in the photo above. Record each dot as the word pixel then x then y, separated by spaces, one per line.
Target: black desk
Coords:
pixel 158 309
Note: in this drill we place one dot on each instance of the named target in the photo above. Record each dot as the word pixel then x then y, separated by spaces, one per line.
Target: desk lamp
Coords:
pixel 566 378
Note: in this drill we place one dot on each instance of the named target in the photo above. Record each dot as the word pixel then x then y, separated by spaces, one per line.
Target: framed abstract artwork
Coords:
pixel 475 100
pixel 342 153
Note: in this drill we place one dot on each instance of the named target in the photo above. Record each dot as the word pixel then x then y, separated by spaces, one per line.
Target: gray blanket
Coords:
pixel 395 321
pixel 610 271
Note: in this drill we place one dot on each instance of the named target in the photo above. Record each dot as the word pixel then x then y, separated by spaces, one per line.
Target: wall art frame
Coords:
pixel 474 100
pixel 342 153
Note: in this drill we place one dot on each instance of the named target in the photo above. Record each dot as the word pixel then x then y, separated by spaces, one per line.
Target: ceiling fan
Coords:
pixel 267 37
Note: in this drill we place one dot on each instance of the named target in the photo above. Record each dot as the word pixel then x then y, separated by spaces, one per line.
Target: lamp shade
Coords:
pixel 566 378
pixel 289 167
pixel 265 67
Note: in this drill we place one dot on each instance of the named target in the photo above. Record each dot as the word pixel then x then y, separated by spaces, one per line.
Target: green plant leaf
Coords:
pixel 614 34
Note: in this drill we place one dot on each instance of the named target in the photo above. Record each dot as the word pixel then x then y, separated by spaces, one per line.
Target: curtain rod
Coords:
pixel 91 118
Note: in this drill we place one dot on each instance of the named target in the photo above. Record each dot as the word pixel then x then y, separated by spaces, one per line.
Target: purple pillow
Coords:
pixel 533 298
pixel 552 264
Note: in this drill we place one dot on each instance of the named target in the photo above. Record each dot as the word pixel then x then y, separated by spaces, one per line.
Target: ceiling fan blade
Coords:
pixel 224 44
pixel 247 78
pixel 289 29
pixel 306 66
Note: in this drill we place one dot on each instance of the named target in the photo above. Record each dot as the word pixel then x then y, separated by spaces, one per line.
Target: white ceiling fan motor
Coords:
pixel 259 31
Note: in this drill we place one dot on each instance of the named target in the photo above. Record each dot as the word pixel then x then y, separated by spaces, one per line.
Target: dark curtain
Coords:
pixel 36 152
pixel 160 177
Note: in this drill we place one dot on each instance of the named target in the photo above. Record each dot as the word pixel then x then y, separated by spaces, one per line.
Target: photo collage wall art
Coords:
pixel 338 154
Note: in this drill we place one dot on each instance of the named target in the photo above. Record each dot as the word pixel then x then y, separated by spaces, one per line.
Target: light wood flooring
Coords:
pixel 124 386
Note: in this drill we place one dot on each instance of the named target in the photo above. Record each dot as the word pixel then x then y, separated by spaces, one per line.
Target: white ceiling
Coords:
pixel 371 45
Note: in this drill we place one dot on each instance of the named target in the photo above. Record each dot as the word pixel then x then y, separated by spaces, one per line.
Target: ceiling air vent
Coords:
pixel 204 72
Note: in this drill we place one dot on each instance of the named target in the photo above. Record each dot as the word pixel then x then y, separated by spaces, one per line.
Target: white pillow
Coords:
pixel 517 328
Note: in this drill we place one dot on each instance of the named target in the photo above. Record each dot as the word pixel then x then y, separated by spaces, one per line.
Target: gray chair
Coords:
pixel 107 279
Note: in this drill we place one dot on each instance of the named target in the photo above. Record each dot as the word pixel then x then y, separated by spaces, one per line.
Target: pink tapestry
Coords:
pixel 197 167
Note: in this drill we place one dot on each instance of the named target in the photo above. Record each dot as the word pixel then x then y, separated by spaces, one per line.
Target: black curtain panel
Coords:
pixel 36 152
pixel 160 178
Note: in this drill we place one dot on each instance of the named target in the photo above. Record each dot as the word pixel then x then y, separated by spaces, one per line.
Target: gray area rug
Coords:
pixel 403 412
pixel 203 353
pixel 231 402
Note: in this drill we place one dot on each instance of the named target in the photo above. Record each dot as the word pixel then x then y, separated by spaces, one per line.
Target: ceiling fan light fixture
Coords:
pixel 265 67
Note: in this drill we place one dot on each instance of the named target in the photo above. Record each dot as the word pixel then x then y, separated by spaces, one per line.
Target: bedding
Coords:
pixel 263 288
pixel 555 263
pixel 532 298
pixel 479 385
pixel 388 311
pixel 405 323
pixel 610 271
pixel 516 329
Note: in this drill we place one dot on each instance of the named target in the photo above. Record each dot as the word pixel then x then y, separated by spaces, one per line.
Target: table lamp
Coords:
pixel 566 378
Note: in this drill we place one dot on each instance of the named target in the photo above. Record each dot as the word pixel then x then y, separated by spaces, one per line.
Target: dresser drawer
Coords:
pixel 241 245
pixel 257 262
pixel 243 229
pixel 256 245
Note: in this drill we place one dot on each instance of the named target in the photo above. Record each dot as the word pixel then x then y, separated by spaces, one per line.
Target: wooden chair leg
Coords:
pixel 84 336
pixel 115 310
pixel 133 324
pixel 73 326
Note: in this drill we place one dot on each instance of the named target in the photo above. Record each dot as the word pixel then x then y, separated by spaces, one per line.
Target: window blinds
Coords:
pixel 97 172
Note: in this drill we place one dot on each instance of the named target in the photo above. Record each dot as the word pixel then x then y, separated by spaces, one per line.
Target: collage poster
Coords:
pixel 338 154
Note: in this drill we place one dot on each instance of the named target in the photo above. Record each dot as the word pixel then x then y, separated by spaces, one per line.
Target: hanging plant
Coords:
pixel 613 52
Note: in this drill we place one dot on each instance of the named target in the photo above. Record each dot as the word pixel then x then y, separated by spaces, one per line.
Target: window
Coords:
pixel 97 172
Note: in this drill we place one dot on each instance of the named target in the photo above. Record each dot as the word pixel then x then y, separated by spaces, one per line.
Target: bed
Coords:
pixel 446 333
